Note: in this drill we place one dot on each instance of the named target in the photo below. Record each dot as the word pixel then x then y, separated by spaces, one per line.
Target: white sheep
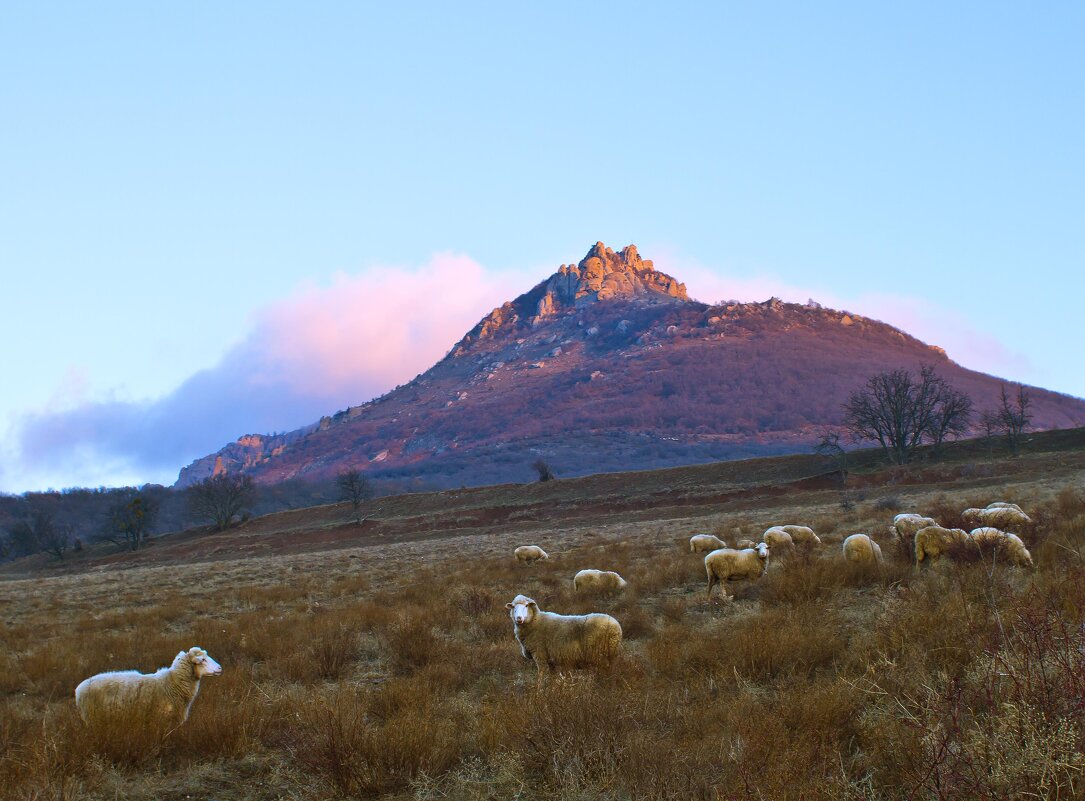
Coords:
pixel 1003 544
pixel 906 525
pixel 1004 505
pixel 598 581
pixel 705 542
pixel 563 641
pixel 933 542
pixel 727 564
pixel 778 540
pixel 530 553
pixel 745 543
pixel 997 517
pixel 165 695
pixel 861 549
pixel 802 535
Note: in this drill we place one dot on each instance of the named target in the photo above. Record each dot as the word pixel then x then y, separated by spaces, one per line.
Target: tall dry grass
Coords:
pixel 822 680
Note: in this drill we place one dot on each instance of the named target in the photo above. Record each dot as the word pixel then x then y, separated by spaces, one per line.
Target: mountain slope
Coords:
pixel 609 365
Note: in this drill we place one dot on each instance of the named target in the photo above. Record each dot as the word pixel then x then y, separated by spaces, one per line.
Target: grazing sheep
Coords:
pixel 563 641
pixel 906 525
pixel 861 549
pixel 934 542
pixel 778 540
pixel 598 580
pixel 705 542
pixel 166 694
pixel 1002 544
pixel 743 544
pixel 727 564
pixel 997 517
pixel 802 535
pixel 530 553
pixel 1004 505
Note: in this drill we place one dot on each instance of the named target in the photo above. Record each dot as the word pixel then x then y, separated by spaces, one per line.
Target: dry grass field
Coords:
pixel 377 661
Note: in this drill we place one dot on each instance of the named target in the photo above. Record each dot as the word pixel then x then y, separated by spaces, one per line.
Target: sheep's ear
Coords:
pixel 508 606
pixel 533 605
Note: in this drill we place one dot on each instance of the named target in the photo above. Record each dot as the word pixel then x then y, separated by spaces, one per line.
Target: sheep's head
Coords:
pixel 522 610
pixel 763 553
pixel 202 663
pixel 972 515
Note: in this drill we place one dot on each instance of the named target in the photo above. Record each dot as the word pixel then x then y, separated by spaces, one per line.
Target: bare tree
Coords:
pixel 131 521
pixel 952 416
pixel 40 532
pixel 990 424
pixel 830 446
pixel 356 488
pixel 56 538
pixel 1014 416
pixel 543 469
pixel 221 498
pixel 897 410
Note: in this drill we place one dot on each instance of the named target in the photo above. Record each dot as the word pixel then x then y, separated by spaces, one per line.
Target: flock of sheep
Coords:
pixel 555 641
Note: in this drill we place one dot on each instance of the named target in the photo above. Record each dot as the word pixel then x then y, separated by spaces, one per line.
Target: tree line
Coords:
pixel 901 411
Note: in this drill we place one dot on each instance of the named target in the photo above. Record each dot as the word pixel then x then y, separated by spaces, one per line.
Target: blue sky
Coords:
pixel 178 183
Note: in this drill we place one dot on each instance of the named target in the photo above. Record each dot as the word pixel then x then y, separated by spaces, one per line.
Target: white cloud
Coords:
pixel 320 350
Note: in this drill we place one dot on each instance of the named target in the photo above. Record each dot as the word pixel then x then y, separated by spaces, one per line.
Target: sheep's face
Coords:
pixel 203 664
pixel 762 552
pixel 522 610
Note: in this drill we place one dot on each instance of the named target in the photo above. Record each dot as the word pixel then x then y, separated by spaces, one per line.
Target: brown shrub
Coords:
pixel 359 749
pixel 412 642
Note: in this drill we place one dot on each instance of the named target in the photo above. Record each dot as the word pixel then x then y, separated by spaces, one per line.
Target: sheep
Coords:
pixel 1001 544
pixel 997 517
pixel 778 540
pixel 861 549
pixel 935 542
pixel 705 542
pixel 743 544
pixel 906 525
pixel 727 564
pixel 166 695
pixel 1004 505
pixel 530 553
pixel 598 580
pixel 802 535
pixel 563 641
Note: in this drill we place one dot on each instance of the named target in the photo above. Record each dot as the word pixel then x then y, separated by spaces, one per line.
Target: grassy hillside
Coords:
pixel 377 661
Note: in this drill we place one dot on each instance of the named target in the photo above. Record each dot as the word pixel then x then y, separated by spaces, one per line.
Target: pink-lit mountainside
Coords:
pixel 608 365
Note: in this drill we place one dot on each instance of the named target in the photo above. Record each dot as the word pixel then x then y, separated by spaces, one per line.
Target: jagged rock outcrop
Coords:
pixel 606 275
pixel 602 275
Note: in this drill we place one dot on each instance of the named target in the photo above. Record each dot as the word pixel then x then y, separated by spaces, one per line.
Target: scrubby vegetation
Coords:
pixel 395 674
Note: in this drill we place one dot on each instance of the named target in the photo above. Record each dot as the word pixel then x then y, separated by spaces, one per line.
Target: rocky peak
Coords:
pixel 602 275
pixel 605 275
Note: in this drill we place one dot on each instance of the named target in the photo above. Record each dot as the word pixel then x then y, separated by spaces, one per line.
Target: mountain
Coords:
pixel 609 365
